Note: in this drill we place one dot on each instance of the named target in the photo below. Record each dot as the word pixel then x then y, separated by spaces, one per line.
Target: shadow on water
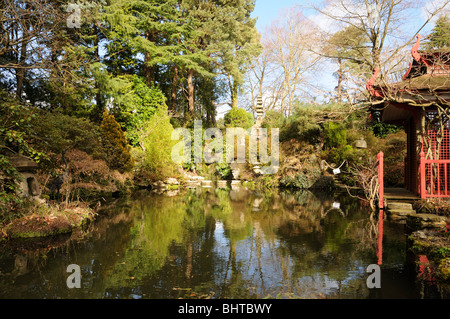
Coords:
pixel 217 243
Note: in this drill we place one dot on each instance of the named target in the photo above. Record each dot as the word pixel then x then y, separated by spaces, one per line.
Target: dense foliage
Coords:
pixel 12 140
pixel 156 147
pixel 99 84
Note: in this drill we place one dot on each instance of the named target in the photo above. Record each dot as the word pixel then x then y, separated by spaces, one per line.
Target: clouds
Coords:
pixel 333 16
pixel 325 23
pixel 410 15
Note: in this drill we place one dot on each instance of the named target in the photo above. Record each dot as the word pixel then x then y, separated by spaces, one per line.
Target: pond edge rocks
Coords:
pixel 60 222
pixel 404 212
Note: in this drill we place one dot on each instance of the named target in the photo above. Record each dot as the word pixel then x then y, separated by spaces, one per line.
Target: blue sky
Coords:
pixel 267 10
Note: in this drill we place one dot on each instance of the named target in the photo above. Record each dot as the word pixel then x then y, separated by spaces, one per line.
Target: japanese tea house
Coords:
pixel 421 103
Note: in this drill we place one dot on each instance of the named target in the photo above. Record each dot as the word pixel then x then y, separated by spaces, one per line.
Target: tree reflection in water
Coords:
pixel 217 243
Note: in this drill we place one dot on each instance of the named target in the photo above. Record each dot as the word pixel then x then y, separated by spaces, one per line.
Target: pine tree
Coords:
pixel 349 49
pixel 196 57
pixel 440 35
pixel 115 144
pixel 166 33
pixel 236 42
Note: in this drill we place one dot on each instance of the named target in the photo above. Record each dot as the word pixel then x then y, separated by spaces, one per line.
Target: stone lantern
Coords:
pixel 259 107
pixel 259 111
pixel 361 143
pixel 28 183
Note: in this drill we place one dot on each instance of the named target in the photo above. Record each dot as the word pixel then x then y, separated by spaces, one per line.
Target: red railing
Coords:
pixel 434 177
pixel 434 174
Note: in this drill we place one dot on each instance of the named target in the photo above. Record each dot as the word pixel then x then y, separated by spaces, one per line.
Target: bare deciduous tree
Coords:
pixel 384 22
pixel 25 28
pixel 281 73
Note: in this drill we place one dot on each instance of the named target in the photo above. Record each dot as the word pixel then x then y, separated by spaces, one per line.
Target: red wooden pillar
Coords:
pixel 422 176
pixel 381 208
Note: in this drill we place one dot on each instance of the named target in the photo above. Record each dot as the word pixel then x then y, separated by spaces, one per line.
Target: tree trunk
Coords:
pixel 213 113
pixel 210 113
pixel 20 72
pixel 234 93
pixel 174 89
pixel 191 93
pixel 97 115
pixel 376 57
pixel 149 72
pixel 340 80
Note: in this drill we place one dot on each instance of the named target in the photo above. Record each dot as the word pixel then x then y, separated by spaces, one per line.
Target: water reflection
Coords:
pixel 213 243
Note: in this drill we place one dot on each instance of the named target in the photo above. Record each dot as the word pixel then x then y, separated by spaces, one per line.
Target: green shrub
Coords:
pixel 115 144
pixel 274 119
pixel 381 129
pixel 223 170
pixel 300 180
pixel 335 135
pixel 53 132
pixel 134 104
pixel 237 117
pixel 302 126
pixel 14 138
pixel 156 146
pixel 305 122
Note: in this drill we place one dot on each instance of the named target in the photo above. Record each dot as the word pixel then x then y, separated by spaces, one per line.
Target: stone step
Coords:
pixel 400 214
pixel 235 184
pixel 399 205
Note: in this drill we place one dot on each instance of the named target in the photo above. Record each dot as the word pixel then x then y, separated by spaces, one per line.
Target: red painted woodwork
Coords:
pixel 380 206
pixel 434 173
pixel 371 82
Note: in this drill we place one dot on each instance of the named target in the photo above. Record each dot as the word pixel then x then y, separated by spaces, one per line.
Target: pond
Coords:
pixel 217 243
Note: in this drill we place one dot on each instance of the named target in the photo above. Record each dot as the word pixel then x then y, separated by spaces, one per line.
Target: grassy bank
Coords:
pixel 43 219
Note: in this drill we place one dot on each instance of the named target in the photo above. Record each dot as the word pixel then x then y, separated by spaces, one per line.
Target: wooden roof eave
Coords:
pixel 413 97
pixel 417 98
pixel 416 93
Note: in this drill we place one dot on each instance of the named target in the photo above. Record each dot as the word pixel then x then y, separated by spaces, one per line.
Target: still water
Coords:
pixel 215 243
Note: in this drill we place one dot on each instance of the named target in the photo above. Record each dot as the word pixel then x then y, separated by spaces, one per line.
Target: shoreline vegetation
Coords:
pixel 100 166
pixel 49 220
pixel 99 162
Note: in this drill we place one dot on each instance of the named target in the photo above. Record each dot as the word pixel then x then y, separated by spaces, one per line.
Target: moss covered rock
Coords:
pixel 419 221
pixel 436 246
pixel 444 269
